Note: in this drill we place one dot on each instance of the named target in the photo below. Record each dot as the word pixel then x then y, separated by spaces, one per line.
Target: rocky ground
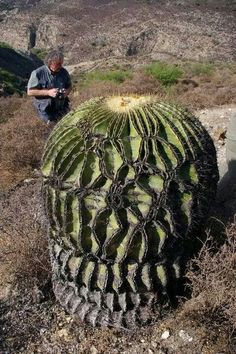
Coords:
pixel 216 120
pixel 32 322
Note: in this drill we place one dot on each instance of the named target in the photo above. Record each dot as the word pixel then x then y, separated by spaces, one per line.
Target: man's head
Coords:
pixel 54 60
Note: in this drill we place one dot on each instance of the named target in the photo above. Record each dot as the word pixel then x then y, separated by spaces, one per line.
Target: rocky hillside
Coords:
pixel 96 29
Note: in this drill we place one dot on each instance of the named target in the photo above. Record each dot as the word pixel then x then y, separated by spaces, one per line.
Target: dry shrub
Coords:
pixel 217 89
pixel 206 95
pixel 8 106
pixel 95 90
pixel 22 140
pixel 24 258
pixel 140 83
pixel 213 283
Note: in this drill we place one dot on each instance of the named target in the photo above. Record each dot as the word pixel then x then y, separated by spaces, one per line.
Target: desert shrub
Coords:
pixel 213 285
pixel 10 82
pixel 40 52
pixel 138 83
pixel 115 76
pixel 24 258
pixel 197 69
pixel 22 140
pixel 8 105
pixel 167 74
pixel 5 45
pixel 142 83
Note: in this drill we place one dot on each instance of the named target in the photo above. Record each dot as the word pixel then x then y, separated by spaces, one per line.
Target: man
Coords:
pixel 50 84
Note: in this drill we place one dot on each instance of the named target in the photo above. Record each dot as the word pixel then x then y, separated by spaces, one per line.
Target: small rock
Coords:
pixel 5 292
pixel 37 295
pixel 142 340
pixel 36 173
pixel 28 180
pixel 93 350
pixel 42 331
pixel 150 351
pixel 154 344
pixel 165 335
pixel 219 133
pixel 63 333
pixel 185 336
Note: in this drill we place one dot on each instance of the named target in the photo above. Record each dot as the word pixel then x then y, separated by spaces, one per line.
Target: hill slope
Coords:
pixel 15 69
pixel 92 29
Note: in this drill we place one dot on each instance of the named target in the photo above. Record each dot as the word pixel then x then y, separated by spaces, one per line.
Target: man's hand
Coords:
pixel 52 92
pixel 47 92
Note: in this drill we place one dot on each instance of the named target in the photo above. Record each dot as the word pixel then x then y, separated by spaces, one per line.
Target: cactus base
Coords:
pixel 122 308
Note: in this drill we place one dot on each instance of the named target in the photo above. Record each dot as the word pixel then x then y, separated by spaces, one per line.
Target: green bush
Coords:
pixel 167 74
pixel 5 45
pixel 116 76
pixel 10 82
pixel 40 52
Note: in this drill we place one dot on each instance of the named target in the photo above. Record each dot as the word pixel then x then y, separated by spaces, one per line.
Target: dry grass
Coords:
pixel 22 139
pixel 24 258
pixel 213 283
pixel 8 106
pixel 196 90
pixel 140 83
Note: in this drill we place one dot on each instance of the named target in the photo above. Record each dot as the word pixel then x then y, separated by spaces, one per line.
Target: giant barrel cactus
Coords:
pixel 127 183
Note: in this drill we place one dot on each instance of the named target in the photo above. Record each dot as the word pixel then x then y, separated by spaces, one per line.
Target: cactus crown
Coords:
pixel 126 182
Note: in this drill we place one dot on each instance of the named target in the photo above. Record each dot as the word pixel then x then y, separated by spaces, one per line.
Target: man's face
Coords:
pixel 55 66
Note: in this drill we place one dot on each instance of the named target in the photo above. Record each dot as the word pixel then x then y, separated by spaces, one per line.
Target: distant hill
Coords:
pixel 15 69
pixel 201 30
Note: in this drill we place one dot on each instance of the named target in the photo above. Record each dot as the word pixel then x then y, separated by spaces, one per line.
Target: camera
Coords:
pixel 61 93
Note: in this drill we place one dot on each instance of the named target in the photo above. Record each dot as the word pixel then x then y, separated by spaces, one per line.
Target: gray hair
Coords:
pixel 54 55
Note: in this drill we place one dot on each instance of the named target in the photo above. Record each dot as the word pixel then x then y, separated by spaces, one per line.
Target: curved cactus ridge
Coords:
pixel 127 183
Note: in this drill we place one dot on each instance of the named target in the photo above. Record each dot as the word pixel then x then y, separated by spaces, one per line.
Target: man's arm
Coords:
pixel 42 92
pixel 34 89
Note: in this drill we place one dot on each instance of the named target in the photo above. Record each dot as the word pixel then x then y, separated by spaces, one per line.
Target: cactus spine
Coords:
pixel 127 183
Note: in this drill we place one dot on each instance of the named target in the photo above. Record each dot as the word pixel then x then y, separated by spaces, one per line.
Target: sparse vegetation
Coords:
pixel 5 45
pixel 21 141
pixel 10 83
pixel 167 74
pixel 197 69
pixel 40 52
pixel 213 285
pixel 4 5
pixel 24 255
pixel 115 76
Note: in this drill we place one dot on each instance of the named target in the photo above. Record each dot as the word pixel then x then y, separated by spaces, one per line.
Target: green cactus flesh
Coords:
pixel 127 183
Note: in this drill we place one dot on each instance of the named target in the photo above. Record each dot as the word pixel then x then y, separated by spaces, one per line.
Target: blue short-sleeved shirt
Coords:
pixel 42 78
